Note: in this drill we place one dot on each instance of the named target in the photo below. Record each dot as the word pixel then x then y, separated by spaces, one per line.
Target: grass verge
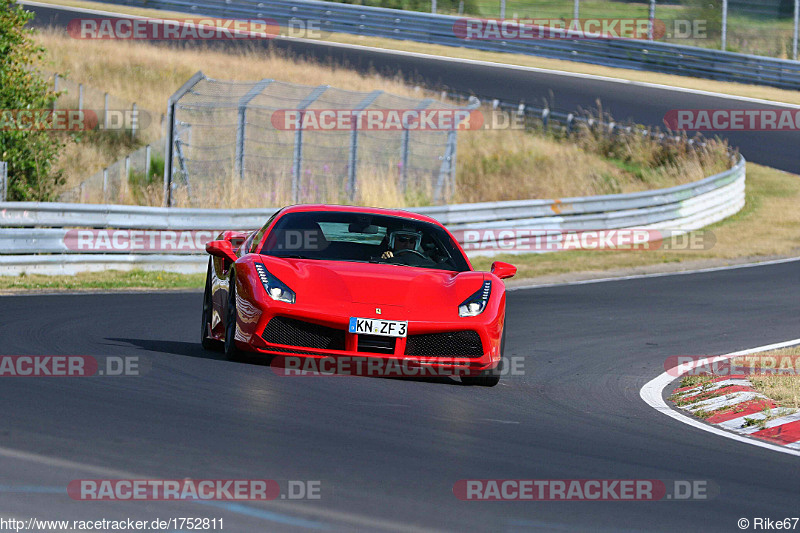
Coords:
pixel 112 279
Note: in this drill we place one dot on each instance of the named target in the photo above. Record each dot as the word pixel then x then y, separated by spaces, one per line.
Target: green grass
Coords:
pixel 112 279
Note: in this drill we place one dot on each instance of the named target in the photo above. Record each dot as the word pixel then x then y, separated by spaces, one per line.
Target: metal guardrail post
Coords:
pixel 241 124
pixel 3 181
pixel 297 155
pixel 170 141
pixel 352 162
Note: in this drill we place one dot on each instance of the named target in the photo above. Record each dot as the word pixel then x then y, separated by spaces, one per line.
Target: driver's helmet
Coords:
pixel 405 239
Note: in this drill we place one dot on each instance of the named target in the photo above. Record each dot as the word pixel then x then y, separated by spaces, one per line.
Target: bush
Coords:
pixel 30 154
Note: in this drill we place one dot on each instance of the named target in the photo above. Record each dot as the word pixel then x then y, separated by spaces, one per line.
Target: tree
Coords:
pixel 30 154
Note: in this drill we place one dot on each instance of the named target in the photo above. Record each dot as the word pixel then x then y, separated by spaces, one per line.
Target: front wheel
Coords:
pixel 231 352
pixel 208 308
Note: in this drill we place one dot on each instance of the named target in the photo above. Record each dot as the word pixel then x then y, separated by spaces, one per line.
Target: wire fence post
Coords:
pixel 147 164
pixel 123 187
pixel 352 162
pixel 502 9
pixel 169 152
pixel 297 153
pixel 105 111
pixel 404 142
pixel 105 185
pixel 241 124
pixel 576 9
pixel 651 20
pixel 55 90
pixel 134 120
pixel 80 97
pixel 796 25
pixel 433 6
pixel 3 181
pixel 724 37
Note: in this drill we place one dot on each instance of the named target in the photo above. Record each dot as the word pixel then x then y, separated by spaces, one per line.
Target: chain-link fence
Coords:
pixel 136 179
pixel 264 143
pixel 113 114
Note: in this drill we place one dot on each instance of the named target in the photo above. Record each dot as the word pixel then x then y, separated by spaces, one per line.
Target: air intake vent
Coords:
pixel 291 332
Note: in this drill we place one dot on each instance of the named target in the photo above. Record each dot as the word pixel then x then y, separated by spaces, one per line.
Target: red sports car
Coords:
pixel 333 283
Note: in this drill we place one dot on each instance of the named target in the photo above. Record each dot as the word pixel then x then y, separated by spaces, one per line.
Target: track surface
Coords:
pixel 387 452
pixel 641 104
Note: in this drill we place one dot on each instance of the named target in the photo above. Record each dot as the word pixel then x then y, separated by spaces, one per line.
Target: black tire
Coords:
pixel 232 353
pixel 207 342
pixel 489 377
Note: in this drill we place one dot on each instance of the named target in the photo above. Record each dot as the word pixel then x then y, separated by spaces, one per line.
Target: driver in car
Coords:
pixel 401 240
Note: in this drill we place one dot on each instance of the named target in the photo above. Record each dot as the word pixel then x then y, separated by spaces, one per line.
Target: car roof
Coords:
pixel 302 208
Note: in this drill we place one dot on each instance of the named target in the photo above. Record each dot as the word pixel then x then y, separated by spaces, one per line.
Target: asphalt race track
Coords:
pixel 387 452
pixel 641 104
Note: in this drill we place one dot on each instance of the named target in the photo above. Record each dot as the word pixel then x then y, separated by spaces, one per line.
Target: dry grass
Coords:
pixel 752 91
pixel 492 164
pixel 781 386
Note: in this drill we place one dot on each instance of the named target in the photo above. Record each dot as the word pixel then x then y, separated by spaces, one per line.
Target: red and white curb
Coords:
pixel 733 400
pixel 734 405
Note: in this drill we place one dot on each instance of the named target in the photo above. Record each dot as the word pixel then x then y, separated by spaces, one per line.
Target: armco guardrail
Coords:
pixel 439 29
pixel 159 238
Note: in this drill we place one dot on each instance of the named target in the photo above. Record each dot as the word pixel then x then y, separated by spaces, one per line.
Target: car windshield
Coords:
pixel 363 237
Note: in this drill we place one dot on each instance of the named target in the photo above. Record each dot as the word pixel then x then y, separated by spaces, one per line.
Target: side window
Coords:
pixel 256 237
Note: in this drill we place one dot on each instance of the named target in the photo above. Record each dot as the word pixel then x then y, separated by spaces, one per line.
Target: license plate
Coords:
pixel 376 326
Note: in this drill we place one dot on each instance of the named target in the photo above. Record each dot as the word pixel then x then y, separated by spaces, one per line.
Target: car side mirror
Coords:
pixel 503 270
pixel 223 249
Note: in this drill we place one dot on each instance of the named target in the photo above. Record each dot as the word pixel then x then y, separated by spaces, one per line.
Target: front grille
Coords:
pixel 464 343
pixel 376 344
pixel 291 332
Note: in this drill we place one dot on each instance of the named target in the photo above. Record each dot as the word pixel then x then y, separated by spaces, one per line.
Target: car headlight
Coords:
pixel 276 289
pixel 475 304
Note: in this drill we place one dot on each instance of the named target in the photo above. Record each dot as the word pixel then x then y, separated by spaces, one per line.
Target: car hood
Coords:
pixel 371 283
